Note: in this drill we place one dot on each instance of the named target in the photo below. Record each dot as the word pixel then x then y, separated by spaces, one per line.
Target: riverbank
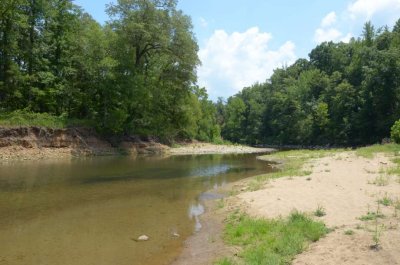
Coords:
pixel 207 148
pixel 35 143
pixel 357 197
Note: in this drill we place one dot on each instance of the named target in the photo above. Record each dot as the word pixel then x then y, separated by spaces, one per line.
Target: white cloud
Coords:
pixel 327 31
pixel 330 34
pixel 233 61
pixel 368 8
pixel 356 13
pixel 203 22
pixel 329 20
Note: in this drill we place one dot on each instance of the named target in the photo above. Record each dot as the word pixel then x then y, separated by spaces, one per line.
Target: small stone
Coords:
pixel 176 235
pixel 143 238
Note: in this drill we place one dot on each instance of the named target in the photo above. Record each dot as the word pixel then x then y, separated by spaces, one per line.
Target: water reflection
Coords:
pixel 211 171
pixel 195 211
pixel 86 211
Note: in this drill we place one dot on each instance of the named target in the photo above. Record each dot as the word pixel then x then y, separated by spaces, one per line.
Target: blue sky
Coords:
pixel 243 41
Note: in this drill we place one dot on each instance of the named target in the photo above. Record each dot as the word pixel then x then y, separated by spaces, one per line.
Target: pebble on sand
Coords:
pixel 143 238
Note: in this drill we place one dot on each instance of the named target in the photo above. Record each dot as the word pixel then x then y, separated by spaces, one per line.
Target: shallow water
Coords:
pixel 89 211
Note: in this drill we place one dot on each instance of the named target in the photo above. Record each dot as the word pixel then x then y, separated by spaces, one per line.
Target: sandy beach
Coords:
pixel 207 148
pixel 345 186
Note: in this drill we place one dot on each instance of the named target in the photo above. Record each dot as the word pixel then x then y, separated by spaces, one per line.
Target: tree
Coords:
pixel 368 34
pixel 157 56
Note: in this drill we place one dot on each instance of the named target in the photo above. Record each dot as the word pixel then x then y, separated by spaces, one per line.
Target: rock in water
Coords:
pixel 143 238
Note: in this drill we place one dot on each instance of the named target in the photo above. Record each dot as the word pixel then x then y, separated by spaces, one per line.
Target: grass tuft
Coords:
pixel 386 200
pixel 274 241
pixel 320 211
pixel 371 216
pixel 381 180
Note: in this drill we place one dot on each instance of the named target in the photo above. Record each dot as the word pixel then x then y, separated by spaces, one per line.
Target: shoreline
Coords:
pixel 343 184
pixel 36 143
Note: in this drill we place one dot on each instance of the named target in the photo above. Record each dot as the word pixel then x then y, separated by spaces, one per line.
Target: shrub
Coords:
pixel 395 132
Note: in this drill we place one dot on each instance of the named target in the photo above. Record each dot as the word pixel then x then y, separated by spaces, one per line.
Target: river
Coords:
pixel 89 211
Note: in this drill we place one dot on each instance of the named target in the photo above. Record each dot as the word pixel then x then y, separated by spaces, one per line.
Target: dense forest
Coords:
pixel 136 74
pixel 345 94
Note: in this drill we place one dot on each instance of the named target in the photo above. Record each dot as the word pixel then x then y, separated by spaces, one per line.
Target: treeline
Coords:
pixel 345 94
pixel 134 75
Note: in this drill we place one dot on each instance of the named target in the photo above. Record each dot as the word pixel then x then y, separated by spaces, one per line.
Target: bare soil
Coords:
pixel 35 143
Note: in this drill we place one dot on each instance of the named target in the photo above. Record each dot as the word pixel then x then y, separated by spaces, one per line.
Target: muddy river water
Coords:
pixel 89 211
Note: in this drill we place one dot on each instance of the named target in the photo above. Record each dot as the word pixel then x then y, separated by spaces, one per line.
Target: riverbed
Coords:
pixel 92 210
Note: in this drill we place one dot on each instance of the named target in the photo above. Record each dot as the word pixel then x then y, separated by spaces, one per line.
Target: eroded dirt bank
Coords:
pixel 34 143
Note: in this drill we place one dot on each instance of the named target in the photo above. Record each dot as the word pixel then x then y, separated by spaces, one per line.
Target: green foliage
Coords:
pixel 346 94
pixel 25 118
pixel 395 132
pixel 135 75
pixel 272 241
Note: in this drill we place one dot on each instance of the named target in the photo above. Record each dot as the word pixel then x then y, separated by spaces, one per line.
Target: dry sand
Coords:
pixel 206 148
pixel 343 185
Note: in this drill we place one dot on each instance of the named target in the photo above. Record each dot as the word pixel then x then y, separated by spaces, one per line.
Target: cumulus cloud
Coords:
pixel 329 20
pixel 233 61
pixel 368 8
pixel 356 13
pixel 328 32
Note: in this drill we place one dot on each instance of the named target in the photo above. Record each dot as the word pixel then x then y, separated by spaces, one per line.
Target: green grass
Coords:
pixel 224 261
pixel 220 204
pixel 293 161
pixel 25 118
pixel 369 151
pixel 256 184
pixel 371 216
pixel 396 169
pixel 386 201
pixel 349 232
pixel 273 241
pixel 389 149
pixel 320 211
pixel 381 180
